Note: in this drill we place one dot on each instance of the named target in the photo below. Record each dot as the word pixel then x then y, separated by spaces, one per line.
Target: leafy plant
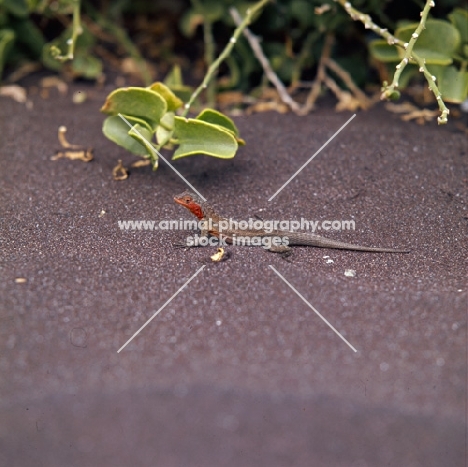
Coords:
pixel 21 40
pixel 408 50
pixel 151 111
pixel 444 47
pixel 291 30
pixel 138 116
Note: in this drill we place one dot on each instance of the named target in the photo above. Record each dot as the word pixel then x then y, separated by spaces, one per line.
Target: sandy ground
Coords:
pixel 237 370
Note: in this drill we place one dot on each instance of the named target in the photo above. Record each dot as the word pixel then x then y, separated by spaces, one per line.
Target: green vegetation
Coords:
pixel 296 44
pixel 139 114
pixel 444 46
pixel 22 40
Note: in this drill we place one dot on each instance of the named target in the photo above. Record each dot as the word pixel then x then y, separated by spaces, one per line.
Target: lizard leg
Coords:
pixel 283 250
pixel 186 244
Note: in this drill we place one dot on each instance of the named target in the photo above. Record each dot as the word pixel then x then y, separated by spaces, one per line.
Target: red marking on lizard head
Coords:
pixel 191 202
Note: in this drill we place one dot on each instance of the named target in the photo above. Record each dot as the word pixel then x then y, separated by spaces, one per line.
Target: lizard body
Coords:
pixel 204 212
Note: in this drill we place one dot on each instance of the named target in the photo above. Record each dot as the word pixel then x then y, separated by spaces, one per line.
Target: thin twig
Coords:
pixel 258 52
pixel 76 31
pixel 389 91
pixel 408 46
pixel 346 101
pixel 321 75
pixel 348 81
pixel 209 52
pixel 227 50
pixel 209 58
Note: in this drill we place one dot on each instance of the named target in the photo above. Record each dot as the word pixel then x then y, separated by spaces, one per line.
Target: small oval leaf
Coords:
pixel 87 66
pixel 436 44
pixel 137 102
pixel 172 101
pixel 117 131
pixel 165 129
pixel 217 118
pixel 459 18
pixel 383 51
pixel 452 83
pixel 137 132
pixel 198 137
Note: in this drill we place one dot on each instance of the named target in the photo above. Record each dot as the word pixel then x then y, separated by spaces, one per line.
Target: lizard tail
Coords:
pixel 322 242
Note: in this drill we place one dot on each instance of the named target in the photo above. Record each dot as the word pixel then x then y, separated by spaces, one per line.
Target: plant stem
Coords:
pixel 320 76
pixel 389 91
pixel 409 48
pixel 76 31
pixel 348 81
pixel 227 50
pixel 209 51
pixel 209 58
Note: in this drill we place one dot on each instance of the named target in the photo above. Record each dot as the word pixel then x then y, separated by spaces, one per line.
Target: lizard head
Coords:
pixel 192 202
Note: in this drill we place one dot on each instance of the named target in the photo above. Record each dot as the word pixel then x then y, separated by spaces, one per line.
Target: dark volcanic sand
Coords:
pixel 236 370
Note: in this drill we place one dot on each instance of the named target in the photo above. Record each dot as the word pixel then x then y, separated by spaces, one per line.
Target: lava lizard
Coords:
pixel 204 212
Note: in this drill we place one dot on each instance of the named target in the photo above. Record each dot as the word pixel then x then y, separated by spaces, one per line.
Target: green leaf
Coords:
pixel 7 37
pixel 175 83
pixel 452 83
pixel 136 102
pixel 87 66
pixel 165 129
pixel 217 118
pixel 198 137
pixel 174 77
pixel 117 131
pixel 182 92
pixel 437 43
pixel 383 51
pixel 459 18
pixel 172 101
pixel 137 133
